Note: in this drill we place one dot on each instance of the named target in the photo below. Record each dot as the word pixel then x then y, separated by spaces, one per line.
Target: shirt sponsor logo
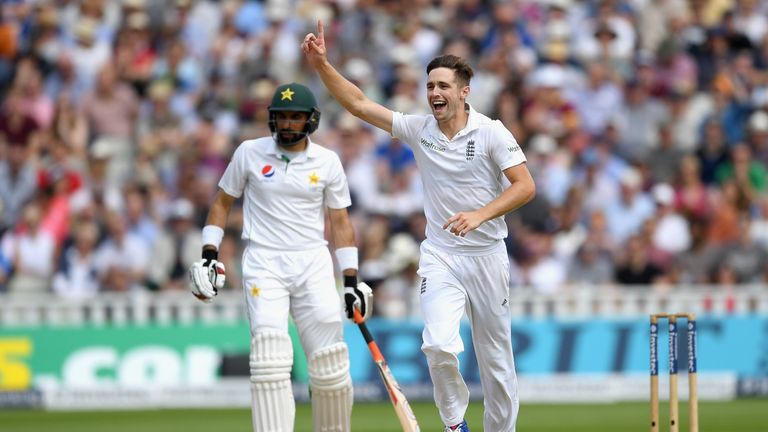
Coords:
pixel 513 148
pixel 432 146
pixel 268 171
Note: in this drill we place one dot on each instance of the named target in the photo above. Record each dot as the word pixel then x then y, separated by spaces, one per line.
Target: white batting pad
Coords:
pixel 272 395
pixel 331 389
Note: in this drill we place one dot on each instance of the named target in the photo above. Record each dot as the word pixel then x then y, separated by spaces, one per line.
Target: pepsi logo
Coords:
pixel 268 171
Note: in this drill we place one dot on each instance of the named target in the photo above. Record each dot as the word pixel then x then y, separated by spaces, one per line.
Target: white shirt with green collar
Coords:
pixel 285 198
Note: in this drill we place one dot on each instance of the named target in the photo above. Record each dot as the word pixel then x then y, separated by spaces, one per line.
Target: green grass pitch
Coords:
pixel 746 415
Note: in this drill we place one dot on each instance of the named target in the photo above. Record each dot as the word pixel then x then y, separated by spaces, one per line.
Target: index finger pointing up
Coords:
pixel 320 29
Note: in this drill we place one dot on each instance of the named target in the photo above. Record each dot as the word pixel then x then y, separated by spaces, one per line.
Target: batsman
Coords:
pixel 288 181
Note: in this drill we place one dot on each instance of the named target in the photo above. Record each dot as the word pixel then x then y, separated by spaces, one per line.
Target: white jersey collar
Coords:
pixel 312 151
pixel 473 122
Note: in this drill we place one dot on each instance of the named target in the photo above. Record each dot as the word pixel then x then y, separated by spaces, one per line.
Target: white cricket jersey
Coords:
pixel 284 204
pixel 460 174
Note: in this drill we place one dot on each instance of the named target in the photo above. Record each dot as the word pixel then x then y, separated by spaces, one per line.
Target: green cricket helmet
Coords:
pixel 293 97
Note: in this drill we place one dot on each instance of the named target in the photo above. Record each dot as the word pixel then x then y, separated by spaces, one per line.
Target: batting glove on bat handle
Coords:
pixel 357 296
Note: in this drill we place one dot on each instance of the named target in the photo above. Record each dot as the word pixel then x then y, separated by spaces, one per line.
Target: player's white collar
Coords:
pixel 473 119
pixel 473 122
pixel 312 151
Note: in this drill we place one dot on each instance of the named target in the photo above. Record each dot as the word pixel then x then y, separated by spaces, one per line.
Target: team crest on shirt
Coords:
pixel 470 152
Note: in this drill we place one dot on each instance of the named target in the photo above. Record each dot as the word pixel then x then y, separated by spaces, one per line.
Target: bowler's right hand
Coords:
pixel 314 46
pixel 206 277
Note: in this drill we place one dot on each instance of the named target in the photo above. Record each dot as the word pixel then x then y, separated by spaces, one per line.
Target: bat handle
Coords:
pixel 358 316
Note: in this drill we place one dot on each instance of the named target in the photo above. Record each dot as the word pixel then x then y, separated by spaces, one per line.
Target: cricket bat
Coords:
pixel 399 402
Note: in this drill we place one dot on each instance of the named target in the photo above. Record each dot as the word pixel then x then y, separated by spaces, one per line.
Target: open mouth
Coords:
pixel 439 106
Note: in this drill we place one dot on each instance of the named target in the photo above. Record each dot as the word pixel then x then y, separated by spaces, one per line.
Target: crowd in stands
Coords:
pixel 645 125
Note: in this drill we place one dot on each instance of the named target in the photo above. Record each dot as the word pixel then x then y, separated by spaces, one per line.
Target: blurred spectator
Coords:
pixel 731 90
pixel 608 37
pixel 9 44
pixel 134 54
pixel 697 264
pixel 399 191
pixel 712 151
pixel 18 181
pixel 748 174
pixel 176 248
pixel 112 108
pixel 6 268
pixel 76 276
pixel 691 196
pixel 28 86
pixel 675 69
pixel 634 267
pixel 89 53
pixel 745 258
pixel 17 126
pixel 590 267
pixel 177 66
pixel 671 233
pixel 541 269
pixel 71 127
pixel 140 221
pixel 550 167
pixel 626 214
pixel 654 17
pixel 757 136
pixel 664 160
pixel 687 111
pixel 748 17
pixel 122 259
pixel 547 111
pixel 727 206
pixel 31 251
pixel 638 121
pixel 399 294
pixel 599 99
pixel 356 151
pixel 571 230
pixel 373 267
pixel 600 188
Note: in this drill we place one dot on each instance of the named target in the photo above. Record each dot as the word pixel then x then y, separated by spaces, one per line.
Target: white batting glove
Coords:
pixel 358 297
pixel 206 277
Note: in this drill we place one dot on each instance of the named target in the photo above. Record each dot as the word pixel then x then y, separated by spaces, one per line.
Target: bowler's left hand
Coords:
pixel 463 222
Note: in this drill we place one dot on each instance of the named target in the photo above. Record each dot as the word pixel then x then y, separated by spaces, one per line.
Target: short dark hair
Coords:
pixel 460 67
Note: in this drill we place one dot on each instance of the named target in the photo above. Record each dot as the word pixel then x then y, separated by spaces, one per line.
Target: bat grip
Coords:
pixel 357 315
pixel 363 328
pixel 372 346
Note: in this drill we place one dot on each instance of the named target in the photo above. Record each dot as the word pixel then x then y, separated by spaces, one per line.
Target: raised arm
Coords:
pixel 349 95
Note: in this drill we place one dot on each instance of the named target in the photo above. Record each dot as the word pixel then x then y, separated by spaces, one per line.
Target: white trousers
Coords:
pixel 478 286
pixel 301 284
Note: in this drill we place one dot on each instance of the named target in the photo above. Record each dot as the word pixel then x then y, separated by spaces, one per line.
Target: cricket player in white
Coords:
pixel 288 181
pixel 463 157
